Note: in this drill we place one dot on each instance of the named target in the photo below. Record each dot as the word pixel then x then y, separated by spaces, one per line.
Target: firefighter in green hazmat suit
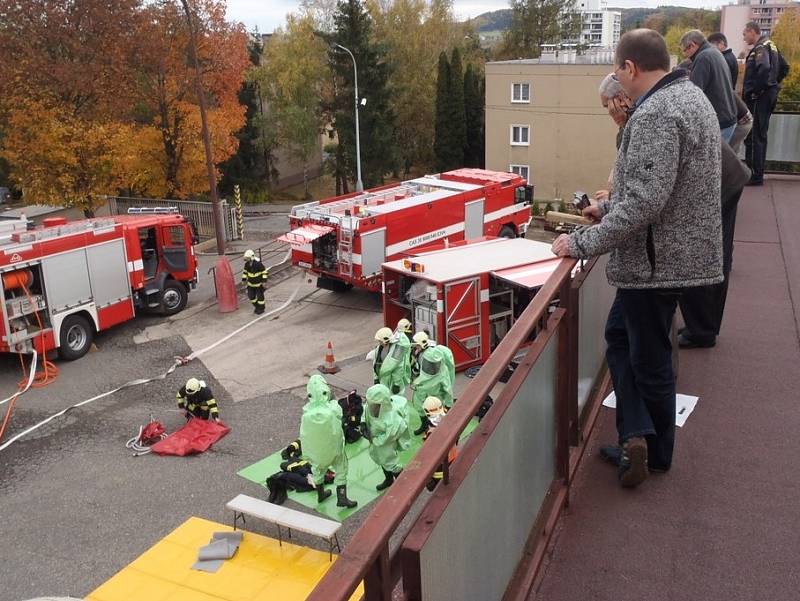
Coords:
pixel 434 379
pixel 421 341
pixel 390 360
pixel 387 430
pixel 322 440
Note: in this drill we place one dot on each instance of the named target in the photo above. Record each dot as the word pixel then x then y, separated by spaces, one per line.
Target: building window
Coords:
pixel 520 92
pixel 520 135
pixel 521 170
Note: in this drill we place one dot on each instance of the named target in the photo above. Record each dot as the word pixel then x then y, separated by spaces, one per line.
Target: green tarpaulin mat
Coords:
pixel 363 475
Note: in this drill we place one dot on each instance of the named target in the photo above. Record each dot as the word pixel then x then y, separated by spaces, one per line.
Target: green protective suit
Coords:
pixel 450 362
pixel 433 380
pixel 387 420
pixel 321 435
pixel 391 366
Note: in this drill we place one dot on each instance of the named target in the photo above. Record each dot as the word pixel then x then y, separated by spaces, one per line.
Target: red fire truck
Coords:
pixel 469 295
pixel 63 282
pixel 344 240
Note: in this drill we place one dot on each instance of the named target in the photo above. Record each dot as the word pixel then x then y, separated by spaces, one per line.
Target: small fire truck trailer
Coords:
pixel 63 282
pixel 469 295
pixel 344 240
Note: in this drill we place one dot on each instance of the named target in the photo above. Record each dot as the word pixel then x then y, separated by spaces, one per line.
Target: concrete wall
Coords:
pixel 571 135
pixel 290 170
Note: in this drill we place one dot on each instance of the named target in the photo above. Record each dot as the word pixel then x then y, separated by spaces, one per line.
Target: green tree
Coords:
pixel 534 23
pixel 443 142
pixel 458 120
pixel 787 37
pixel 473 112
pixel 353 30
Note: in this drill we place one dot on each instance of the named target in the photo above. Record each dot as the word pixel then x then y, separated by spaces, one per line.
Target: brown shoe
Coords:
pixel 633 467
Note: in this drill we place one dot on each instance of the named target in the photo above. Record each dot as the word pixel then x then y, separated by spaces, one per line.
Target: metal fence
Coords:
pixel 201 213
pixel 484 531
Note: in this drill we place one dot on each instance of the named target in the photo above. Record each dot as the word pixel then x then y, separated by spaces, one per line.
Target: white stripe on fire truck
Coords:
pixel 484 295
pixel 440 306
pixel 503 212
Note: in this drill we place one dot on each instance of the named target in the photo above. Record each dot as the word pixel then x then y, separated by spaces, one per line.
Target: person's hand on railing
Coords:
pixel 560 247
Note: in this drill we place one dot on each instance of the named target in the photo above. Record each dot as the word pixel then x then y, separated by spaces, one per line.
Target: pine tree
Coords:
pixel 352 29
pixel 473 112
pixel 458 124
pixel 442 139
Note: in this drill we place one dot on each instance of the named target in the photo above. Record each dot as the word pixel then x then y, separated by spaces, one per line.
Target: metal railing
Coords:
pixel 470 541
pixel 201 213
pixel 783 142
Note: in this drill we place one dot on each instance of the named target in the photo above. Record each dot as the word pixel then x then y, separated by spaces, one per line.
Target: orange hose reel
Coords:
pixel 21 278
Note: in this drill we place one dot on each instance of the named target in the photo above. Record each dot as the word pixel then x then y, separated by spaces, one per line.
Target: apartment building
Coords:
pixel 601 27
pixel 766 13
pixel 544 121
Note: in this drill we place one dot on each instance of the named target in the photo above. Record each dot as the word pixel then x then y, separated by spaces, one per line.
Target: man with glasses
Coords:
pixel 710 73
pixel 662 226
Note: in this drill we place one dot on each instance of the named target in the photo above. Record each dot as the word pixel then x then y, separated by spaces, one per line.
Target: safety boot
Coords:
pixel 388 479
pixel 322 494
pixel 341 497
pixel 423 427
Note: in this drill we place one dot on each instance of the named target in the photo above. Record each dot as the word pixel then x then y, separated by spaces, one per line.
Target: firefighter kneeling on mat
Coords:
pixel 435 412
pixel 254 277
pixel 197 400
pixel 390 360
pixel 386 429
pixel 322 440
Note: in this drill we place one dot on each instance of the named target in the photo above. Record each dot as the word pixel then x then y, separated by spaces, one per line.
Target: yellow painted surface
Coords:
pixel 261 570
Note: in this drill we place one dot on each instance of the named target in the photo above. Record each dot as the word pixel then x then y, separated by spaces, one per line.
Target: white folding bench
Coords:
pixel 290 519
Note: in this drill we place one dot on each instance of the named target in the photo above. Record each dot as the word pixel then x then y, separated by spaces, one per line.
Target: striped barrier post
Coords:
pixel 237 200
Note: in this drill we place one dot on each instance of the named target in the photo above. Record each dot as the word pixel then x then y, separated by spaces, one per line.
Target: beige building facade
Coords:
pixel 766 13
pixel 544 121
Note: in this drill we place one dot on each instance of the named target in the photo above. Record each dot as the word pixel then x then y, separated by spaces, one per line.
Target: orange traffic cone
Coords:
pixel 329 366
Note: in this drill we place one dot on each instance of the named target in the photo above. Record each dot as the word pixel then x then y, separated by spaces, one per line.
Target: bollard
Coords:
pixel 227 299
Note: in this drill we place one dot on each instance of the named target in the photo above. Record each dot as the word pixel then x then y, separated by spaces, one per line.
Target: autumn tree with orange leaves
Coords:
pixel 99 97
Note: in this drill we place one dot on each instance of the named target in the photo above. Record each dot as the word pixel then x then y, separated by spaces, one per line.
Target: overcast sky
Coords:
pixel 269 14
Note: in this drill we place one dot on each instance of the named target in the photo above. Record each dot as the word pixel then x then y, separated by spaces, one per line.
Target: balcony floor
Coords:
pixel 724 524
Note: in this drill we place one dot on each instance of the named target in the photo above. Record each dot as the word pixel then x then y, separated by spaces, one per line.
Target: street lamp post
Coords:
pixel 359 183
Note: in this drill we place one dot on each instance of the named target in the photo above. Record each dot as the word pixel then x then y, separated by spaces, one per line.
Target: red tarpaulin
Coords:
pixel 196 436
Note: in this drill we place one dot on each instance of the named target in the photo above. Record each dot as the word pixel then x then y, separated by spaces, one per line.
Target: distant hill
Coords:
pixel 500 20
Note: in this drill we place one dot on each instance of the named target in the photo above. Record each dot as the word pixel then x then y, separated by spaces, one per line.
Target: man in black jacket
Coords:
pixel 764 69
pixel 721 42
pixel 710 73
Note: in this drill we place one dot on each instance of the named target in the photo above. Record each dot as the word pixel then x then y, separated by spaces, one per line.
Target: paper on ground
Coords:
pixel 684 405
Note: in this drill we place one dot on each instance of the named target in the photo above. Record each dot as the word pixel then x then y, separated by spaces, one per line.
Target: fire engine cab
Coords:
pixel 344 240
pixel 63 282
pixel 467 296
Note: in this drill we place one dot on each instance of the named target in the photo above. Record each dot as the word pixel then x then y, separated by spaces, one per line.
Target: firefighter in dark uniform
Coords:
pixel 197 400
pixel 254 277
pixel 764 69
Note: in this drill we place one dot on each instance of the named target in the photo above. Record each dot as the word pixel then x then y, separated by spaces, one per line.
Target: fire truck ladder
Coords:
pixel 345 250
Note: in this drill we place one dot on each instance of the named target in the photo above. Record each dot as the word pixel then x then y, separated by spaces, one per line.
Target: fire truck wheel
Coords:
pixel 507 232
pixel 76 337
pixel 173 298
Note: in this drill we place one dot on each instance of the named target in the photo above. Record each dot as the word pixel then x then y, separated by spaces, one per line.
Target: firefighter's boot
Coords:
pixel 423 427
pixel 341 497
pixel 389 477
pixel 322 494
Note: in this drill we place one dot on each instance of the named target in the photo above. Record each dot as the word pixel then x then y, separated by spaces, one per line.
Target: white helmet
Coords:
pixel 421 339
pixel 249 254
pixel 433 406
pixel 404 326
pixel 384 335
pixel 193 385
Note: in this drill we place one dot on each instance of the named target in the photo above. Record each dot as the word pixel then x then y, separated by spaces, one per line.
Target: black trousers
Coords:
pixel 702 307
pixel 639 355
pixel 756 143
pixel 256 296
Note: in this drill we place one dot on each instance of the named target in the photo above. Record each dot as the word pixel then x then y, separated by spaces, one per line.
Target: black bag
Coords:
pixel 484 408
pixel 352 410
pixel 293 451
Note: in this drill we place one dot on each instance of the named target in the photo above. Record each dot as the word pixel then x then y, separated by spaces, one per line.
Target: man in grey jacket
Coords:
pixel 711 74
pixel 662 226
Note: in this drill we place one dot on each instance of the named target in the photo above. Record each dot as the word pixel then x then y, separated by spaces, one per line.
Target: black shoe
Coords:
pixel 387 482
pixel 612 453
pixel 341 497
pixel 322 494
pixel 685 342
pixel 755 182
pixel 633 465
pixel 424 427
